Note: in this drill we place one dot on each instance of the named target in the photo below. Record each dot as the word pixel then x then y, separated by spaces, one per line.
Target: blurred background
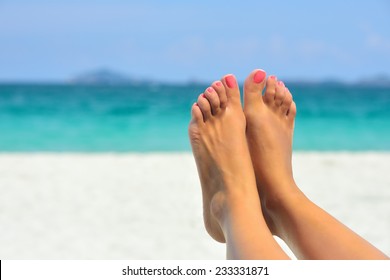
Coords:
pixel 112 75
pixel 95 100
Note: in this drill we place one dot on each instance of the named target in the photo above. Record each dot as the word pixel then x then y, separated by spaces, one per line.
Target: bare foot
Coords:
pixel 217 135
pixel 309 231
pixel 270 125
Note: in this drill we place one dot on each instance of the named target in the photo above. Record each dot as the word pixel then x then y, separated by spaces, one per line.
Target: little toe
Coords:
pixel 196 113
pixel 292 112
pixel 205 107
pixel 280 93
pixel 270 90
pixel 232 90
pixel 220 90
pixel 213 99
pixel 286 102
pixel 253 87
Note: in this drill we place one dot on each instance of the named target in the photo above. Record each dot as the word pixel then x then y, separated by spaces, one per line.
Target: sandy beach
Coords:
pixel 148 206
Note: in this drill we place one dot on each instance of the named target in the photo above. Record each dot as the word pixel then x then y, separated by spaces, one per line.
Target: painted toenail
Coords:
pixel 204 95
pixel 210 89
pixel 218 84
pixel 280 83
pixel 272 77
pixel 259 76
pixel 230 81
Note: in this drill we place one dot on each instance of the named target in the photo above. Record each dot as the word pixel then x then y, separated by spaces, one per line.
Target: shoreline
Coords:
pixel 148 205
pixel 189 152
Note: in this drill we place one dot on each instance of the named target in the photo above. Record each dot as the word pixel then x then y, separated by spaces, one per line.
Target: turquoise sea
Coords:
pixel 142 118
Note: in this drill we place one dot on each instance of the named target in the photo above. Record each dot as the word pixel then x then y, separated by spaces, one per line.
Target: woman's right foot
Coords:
pixel 270 125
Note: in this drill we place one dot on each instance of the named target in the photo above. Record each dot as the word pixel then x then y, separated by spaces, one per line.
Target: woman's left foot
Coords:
pixel 217 135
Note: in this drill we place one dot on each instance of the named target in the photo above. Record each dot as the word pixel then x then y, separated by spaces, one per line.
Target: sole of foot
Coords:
pixel 217 136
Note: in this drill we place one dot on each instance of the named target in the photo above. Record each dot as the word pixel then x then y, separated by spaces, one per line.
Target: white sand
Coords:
pixel 148 206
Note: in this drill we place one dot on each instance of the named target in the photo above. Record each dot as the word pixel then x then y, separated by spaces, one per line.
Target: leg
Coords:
pixel 231 205
pixel 309 231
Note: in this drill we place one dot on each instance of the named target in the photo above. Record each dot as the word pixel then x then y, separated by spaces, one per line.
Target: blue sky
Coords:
pixel 180 40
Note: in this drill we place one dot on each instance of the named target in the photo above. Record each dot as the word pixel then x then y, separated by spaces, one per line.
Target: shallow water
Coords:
pixel 154 117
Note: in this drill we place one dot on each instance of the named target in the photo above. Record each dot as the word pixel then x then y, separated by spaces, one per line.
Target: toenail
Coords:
pixel 230 81
pixel 204 95
pixel 259 76
pixel 272 77
pixel 218 84
pixel 210 89
pixel 280 83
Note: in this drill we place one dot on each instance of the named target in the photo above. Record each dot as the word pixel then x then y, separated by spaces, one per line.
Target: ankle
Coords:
pixel 288 194
pixel 229 206
pixel 280 209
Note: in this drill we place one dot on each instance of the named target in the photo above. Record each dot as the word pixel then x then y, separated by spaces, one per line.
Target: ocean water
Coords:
pixel 143 118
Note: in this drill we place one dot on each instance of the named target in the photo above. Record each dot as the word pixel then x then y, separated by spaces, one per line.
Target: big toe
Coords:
pixel 232 89
pixel 253 88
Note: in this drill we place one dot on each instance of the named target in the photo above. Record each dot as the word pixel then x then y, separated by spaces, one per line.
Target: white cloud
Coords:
pixel 277 45
pixel 187 50
pixel 378 43
pixel 316 49
pixel 375 41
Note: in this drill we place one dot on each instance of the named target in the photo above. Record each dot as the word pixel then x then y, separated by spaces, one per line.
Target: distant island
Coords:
pixel 381 80
pixel 109 77
pixel 104 77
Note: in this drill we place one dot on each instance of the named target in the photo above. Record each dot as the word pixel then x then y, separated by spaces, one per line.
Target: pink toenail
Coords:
pixel 204 95
pixel 280 83
pixel 196 104
pixel 230 81
pixel 259 76
pixel 210 89
pixel 218 84
pixel 272 77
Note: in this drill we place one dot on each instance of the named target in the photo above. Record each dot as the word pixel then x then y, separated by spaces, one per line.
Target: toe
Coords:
pixel 213 99
pixel 269 94
pixel 232 90
pixel 205 107
pixel 286 102
pixel 280 93
pixel 253 87
pixel 220 90
pixel 196 113
pixel 292 112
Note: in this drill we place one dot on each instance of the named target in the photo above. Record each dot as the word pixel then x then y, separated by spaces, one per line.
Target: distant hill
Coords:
pixel 379 80
pixel 103 76
pixel 110 77
pixel 373 81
